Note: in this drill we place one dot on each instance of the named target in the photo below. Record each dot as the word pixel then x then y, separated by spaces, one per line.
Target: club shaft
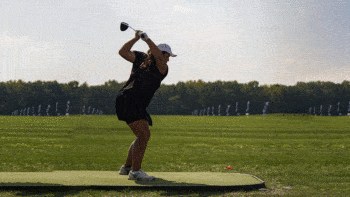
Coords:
pixel 142 36
pixel 132 28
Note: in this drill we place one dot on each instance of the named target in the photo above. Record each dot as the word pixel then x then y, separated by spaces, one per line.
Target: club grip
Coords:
pixel 141 34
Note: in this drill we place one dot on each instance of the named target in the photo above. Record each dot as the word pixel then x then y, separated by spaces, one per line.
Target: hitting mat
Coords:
pixel 112 178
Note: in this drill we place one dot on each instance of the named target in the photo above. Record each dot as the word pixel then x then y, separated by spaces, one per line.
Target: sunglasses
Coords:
pixel 164 52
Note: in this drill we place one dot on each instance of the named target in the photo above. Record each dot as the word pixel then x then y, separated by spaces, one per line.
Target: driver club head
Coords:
pixel 124 26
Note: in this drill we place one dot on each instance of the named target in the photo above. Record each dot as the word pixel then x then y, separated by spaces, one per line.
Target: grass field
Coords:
pixel 294 155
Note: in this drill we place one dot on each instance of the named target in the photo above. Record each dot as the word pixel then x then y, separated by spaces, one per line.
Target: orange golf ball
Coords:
pixel 229 167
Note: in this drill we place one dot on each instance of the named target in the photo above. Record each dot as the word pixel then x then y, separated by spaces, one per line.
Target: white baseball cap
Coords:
pixel 166 48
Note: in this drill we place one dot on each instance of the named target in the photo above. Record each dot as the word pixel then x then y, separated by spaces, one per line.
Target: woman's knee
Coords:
pixel 143 139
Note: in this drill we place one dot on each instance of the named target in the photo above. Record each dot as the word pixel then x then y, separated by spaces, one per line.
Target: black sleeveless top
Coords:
pixel 143 81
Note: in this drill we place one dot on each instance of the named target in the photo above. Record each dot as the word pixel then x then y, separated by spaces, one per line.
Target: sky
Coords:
pixel 269 41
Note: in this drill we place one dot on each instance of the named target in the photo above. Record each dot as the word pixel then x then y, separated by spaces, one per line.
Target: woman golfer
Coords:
pixel 147 73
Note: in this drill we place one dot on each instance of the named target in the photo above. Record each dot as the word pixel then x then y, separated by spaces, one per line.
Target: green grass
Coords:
pixel 294 155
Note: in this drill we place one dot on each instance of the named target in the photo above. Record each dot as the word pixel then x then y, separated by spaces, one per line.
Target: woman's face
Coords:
pixel 164 54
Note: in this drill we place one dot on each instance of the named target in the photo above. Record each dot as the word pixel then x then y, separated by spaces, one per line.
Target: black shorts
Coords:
pixel 130 108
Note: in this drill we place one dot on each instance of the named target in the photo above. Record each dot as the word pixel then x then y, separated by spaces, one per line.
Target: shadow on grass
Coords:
pixel 159 185
pixel 42 189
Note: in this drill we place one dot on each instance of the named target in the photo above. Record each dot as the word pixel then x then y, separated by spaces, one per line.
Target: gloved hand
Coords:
pixel 138 34
pixel 144 37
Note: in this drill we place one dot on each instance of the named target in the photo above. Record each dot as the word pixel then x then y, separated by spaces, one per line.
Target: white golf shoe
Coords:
pixel 140 175
pixel 124 171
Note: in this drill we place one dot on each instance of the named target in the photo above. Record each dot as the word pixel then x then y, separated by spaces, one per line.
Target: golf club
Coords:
pixel 124 26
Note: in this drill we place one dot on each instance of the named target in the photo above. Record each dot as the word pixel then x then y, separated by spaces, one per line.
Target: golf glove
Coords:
pixel 144 36
pixel 139 32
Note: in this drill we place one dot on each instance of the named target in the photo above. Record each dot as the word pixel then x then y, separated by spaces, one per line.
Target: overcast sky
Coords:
pixel 270 41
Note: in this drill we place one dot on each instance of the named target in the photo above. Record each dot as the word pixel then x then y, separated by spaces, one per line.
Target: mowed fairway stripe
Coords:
pixel 75 178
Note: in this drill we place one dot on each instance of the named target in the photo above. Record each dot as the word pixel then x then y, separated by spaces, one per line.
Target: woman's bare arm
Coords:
pixel 125 50
pixel 154 49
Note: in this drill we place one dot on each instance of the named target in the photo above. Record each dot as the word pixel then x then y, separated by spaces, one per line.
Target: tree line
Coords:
pixel 179 99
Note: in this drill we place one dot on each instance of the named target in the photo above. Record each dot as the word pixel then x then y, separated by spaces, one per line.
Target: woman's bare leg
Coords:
pixel 129 158
pixel 138 147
